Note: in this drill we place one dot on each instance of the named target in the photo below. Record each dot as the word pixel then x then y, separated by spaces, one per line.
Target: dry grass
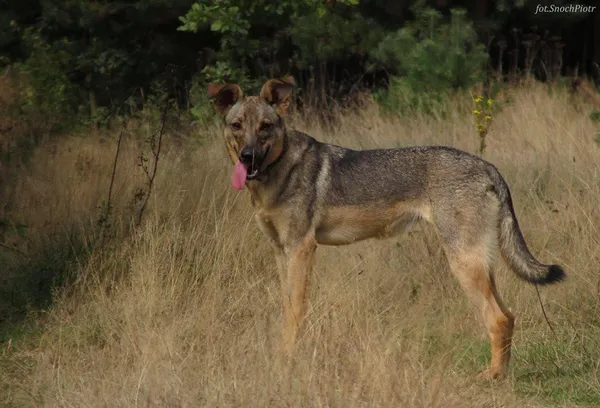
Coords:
pixel 185 312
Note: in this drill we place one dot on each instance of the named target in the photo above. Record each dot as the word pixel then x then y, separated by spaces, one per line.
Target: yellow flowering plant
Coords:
pixel 482 111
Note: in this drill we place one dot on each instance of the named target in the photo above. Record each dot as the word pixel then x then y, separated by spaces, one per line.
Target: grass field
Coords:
pixel 184 310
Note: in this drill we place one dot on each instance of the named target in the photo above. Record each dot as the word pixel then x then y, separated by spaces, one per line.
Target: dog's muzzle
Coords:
pixel 254 160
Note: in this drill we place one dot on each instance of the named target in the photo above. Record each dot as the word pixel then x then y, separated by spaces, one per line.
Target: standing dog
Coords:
pixel 306 193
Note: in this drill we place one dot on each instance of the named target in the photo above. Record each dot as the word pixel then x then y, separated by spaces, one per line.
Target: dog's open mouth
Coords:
pixel 243 172
pixel 254 168
pixel 252 173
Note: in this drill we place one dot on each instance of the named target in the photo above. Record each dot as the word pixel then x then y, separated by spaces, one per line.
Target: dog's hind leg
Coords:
pixel 470 240
pixel 473 274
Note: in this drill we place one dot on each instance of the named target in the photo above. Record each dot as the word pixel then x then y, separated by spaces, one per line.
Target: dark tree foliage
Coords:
pixel 102 53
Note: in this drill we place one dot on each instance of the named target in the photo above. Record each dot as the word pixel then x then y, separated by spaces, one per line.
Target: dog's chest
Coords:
pixel 271 224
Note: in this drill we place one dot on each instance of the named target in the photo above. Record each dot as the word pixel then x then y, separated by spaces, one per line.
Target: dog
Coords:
pixel 307 193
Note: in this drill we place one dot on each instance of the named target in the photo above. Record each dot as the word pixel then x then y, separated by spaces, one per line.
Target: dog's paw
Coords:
pixel 492 374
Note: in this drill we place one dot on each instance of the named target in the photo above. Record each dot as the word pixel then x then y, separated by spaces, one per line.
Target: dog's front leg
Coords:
pixel 282 259
pixel 295 271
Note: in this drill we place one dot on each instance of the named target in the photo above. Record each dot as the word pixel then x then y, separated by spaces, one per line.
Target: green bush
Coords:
pixel 47 93
pixel 432 58
pixel 333 36
pixel 262 38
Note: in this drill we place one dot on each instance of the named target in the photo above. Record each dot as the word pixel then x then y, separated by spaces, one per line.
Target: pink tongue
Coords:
pixel 238 178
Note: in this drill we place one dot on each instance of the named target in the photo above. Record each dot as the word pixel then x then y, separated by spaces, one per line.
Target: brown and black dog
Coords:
pixel 306 193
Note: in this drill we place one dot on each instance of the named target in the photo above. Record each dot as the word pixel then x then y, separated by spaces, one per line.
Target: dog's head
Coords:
pixel 254 127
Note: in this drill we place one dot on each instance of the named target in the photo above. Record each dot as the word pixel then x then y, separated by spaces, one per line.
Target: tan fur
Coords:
pixel 348 224
pixel 307 193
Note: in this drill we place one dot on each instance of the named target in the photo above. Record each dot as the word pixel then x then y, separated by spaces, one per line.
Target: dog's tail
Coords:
pixel 512 243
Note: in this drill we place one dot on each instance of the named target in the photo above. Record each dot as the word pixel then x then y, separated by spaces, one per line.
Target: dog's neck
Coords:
pixel 258 187
pixel 284 148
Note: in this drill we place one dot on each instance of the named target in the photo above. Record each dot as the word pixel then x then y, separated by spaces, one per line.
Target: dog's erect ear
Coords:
pixel 224 96
pixel 278 92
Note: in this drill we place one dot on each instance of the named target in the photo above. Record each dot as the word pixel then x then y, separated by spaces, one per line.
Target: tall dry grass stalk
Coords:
pixel 185 312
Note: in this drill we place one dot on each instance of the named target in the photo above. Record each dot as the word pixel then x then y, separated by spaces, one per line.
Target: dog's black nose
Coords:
pixel 246 156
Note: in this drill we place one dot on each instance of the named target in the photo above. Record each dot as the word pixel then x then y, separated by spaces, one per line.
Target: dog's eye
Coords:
pixel 265 126
pixel 236 125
